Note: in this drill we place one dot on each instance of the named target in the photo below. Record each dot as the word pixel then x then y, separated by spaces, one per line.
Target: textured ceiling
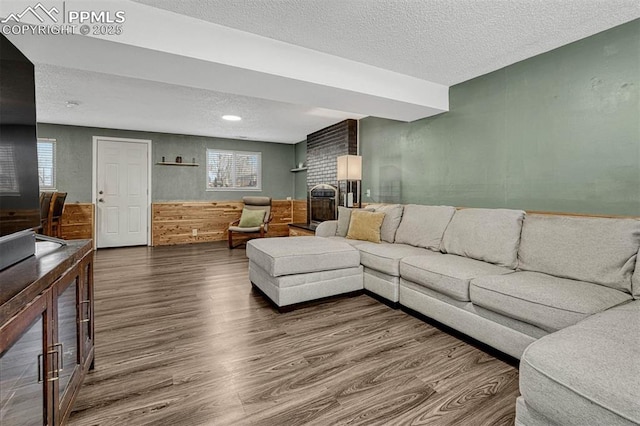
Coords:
pixel 132 104
pixel 286 66
pixel 443 41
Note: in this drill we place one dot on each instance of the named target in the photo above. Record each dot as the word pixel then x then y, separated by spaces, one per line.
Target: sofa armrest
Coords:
pixel 327 228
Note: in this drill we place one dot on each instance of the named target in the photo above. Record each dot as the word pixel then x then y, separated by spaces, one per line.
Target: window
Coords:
pixel 47 163
pixel 8 172
pixel 237 170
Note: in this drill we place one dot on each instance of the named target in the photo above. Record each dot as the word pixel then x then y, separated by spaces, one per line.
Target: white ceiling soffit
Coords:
pixel 117 102
pixel 166 47
pixel 299 65
pixel 444 41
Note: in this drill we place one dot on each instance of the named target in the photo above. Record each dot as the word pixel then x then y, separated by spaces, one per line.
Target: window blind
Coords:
pixel 47 163
pixel 233 170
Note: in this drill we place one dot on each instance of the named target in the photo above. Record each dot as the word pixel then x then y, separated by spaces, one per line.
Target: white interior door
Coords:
pixel 122 191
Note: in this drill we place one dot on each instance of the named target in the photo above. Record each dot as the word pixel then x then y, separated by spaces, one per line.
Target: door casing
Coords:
pixel 94 181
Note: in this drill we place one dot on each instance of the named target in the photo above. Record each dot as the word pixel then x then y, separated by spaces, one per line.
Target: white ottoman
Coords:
pixel 292 270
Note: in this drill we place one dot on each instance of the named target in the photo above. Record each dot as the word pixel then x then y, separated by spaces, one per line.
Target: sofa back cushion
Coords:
pixel 635 279
pixel 597 250
pixel 423 226
pixel 392 218
pixel 490 235
pixel 344 217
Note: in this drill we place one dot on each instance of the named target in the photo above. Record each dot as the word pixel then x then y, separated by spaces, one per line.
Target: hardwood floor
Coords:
pixel 181 339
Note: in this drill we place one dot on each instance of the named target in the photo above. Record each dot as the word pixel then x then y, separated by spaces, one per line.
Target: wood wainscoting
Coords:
pixel 174 222
pixel 77 221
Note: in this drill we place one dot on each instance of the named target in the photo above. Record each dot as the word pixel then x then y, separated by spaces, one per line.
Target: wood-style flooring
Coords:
pixel 182 339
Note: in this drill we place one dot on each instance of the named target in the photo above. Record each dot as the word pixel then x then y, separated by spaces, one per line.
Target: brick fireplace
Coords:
pixel 323 149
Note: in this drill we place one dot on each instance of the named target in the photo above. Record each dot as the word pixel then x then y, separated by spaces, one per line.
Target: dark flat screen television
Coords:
pixel 19 189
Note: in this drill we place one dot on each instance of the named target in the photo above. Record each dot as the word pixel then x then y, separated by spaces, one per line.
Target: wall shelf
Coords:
pixel 167 163
pixel 299 169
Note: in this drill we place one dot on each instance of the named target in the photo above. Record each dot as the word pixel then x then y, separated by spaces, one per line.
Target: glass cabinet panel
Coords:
pixel 21 382
pixel 85 311
pixel 67 335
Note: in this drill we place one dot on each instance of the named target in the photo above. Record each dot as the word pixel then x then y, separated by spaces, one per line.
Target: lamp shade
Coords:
pixel 350 167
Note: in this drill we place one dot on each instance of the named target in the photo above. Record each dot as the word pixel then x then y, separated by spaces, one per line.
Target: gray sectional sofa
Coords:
pixel 557 292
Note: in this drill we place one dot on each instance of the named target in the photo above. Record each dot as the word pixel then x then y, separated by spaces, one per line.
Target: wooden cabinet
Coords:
pixel 46 333
pixel 302 230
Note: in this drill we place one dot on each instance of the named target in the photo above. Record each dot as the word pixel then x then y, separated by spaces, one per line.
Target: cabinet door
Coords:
pixel 25 381
pixel 66 340
pixel 86 311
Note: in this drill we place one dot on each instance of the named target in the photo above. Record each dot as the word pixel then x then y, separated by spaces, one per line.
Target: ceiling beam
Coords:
pixel 162 46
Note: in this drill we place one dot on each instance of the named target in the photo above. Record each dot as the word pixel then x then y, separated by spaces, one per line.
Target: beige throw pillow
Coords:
pixel 344 218
pixel 365 225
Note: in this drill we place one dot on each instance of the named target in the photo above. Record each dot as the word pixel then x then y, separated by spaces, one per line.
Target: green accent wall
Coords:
pixel 74 146
pixel 556 132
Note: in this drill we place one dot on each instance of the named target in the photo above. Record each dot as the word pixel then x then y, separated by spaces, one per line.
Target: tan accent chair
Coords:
pixel 252 203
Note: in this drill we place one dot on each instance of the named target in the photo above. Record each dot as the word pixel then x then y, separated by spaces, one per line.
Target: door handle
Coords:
pixel 100 192
pixel 101 200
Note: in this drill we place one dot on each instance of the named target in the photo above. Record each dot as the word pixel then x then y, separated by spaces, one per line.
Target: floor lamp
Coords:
pixel 350 171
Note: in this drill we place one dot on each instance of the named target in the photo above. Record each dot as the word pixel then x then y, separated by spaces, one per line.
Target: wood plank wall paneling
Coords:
pixel 77 221
pixel 173 222
pixel 300 211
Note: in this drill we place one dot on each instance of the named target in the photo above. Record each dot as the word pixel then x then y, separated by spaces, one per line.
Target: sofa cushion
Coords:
pixel 385 257
pixel 348 241
pixel 392 218
pixel 587 374
pixel 635 279
pixel 598 250
pixel 296 255
pixel 447 273
pixel 423 226
pixel 344 217
pixel 548 302
pixel 491 235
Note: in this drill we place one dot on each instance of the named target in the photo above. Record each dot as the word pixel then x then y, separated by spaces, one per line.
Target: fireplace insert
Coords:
pixel 323 203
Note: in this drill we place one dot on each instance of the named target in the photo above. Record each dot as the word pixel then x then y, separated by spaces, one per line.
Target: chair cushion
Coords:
pixel 297 255
pixel 247 230
pixel 365 225
pixel 392 218
pixel 447 273
pixel 587 374
pixel 548 302
pixel 386 257
pixel 491 235
pixel 598 250
pixel 251 218
pixel 423 226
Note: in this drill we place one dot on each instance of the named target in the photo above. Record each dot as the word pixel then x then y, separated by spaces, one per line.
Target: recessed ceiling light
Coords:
pixel 72 104
pixel 231 118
